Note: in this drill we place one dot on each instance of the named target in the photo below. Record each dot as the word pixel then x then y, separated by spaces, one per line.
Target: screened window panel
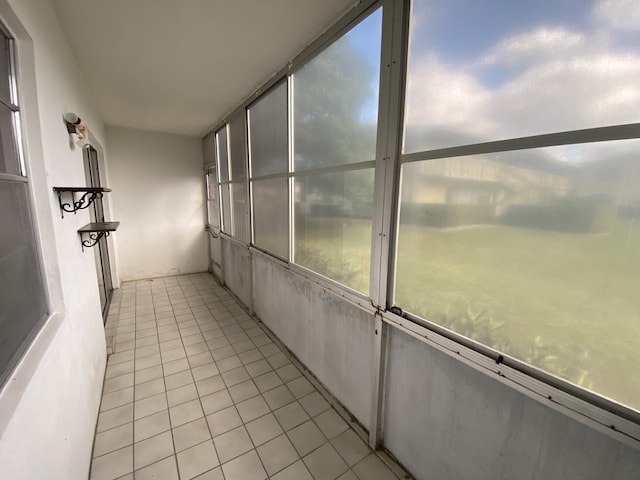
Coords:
pixel 239 194
pixel 509 69
pixel 332 225
pixel 271 215
pixel 336 100
pixel 535 253
pixel 226 209
pixel 208 149
pixel 22 304
pixel 223 154
pixel 5 73
pixel 237 149
pixel 268 133
pixel 213 204
pixel 8 149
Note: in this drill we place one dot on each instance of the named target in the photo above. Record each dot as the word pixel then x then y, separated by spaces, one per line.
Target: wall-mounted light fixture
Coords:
pixel 75 125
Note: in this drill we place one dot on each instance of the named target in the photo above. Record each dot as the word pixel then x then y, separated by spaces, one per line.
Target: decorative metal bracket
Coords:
pixel 93 239
pixel 91 233
pixel 89 194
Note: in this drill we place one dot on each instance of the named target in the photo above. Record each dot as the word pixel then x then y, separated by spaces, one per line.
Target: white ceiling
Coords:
pixel 177 66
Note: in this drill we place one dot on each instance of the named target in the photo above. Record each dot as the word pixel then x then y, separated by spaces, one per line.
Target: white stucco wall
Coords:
pixel 158 196
pixel 48 408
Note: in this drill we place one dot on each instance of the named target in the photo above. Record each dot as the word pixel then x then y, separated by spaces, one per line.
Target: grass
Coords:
pixel 568 303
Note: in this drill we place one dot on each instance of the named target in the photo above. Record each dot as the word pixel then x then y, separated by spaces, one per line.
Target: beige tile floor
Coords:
pixel 194 388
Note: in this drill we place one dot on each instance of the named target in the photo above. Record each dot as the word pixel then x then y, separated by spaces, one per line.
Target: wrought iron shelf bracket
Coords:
pixel 81 197
pixel 91 233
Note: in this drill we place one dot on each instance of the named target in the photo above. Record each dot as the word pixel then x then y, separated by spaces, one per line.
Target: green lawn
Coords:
pixel 568 303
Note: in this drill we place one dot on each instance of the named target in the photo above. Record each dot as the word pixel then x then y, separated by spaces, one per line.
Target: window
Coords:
pixel 269 160
pixel 530 249
pixel 22 299
pixel 231 162
pixel 480 76
pixel 335 118
pixel 239 194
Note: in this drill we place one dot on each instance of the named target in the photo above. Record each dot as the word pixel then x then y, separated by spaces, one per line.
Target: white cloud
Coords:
pixel 541 42
pixel 581 85
pixel 438 95
pixel 622 15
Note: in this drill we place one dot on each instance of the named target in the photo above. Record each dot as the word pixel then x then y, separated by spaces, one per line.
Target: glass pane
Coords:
pixel 240 212
pixel 336 100
pixel 223 158
pixel 484 71
pixel 332 225
pixel 268 130
pixel 213 206
pixel 271 215
pixel 5 69
pixel 9 163
pixel 226 209
pixel 208 149
pixel 535 253
pixel 237 150
pixel 22 303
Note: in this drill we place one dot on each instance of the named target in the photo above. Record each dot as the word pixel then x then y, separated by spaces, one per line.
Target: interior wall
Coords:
pixel 330 336
pixel 159 198
pixel 49 406
pixel 446 420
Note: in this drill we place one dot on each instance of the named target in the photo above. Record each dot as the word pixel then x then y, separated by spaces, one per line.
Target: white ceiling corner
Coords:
pixel 177 66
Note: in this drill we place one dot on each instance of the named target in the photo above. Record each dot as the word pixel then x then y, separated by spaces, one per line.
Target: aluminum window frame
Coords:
pixel 605 411
pixel 251 178
pixel 24 178
pixel 610 417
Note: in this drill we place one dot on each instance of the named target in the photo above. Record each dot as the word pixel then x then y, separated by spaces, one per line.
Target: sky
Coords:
pixel 497 69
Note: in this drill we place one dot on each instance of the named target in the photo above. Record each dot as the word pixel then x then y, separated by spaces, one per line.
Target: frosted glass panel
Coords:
pixel 9 163
pixel 226 209
pixel 333 225
pixel 497 69
pixel 22 305
pixel 239 191
pixel 271 215
pixel 223 154
pixel 535 253
pixel 213 205
pixel 5 62
pixel 268 132
pixel 208 149
pixel 237 149
pixel 336 100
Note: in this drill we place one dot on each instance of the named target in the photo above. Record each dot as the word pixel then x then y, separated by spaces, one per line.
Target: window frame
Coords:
pixel 612 417
pixel 270 176
pixel 603 410
pixel 40 203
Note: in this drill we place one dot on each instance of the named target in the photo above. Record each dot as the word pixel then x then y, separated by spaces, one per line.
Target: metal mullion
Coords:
pixel 589 135
pixel 232 229
pixel 9 105
pixel 347 167
pixel 290 183
pixel 270 176
pixel 7 177
pixel 247 210
pixel 394 34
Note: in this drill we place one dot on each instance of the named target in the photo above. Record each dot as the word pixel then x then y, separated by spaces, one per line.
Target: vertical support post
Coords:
pixel 386 194
pixel 376 430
